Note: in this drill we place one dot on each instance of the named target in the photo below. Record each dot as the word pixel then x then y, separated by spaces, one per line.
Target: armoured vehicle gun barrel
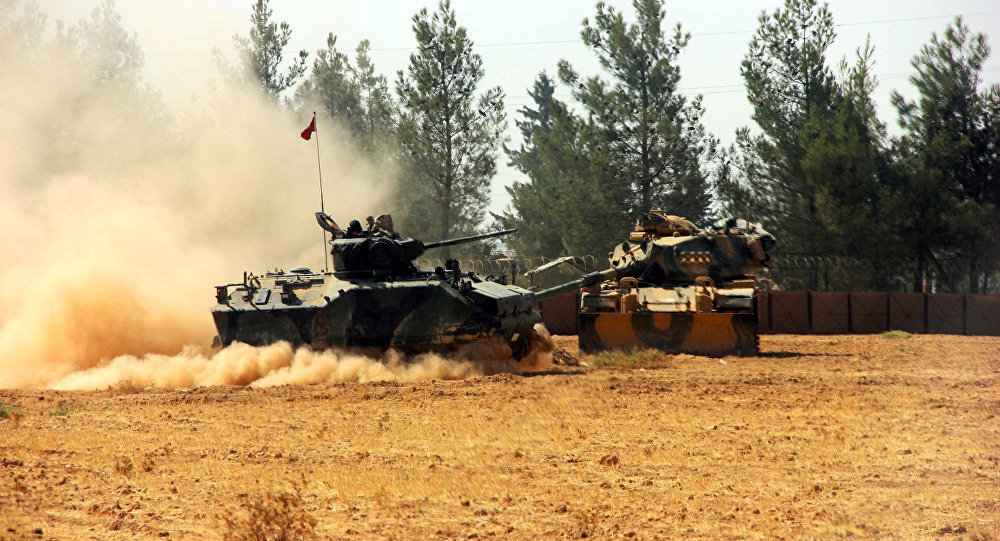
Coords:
pixel 463 240
pixel 586 280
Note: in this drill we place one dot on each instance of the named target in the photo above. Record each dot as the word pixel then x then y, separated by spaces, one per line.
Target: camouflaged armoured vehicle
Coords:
pixel 676 287
pixel 376 297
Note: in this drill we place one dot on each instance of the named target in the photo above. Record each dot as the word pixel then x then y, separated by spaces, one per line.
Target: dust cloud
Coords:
pixel 279 364
pixel 118 217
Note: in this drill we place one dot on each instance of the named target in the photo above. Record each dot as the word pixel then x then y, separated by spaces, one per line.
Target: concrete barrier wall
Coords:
pixel 789 312
pixel 865 312
pixel 982 314
pixel 945 313
pixel 840 312
pixel 559 312
pixel 908 312
pixel 830 312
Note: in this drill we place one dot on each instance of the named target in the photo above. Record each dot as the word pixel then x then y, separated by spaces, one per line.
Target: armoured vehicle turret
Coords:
pixel 676 287
pixel 376 297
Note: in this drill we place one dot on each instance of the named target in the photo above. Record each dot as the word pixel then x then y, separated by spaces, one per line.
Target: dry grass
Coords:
pixel 637 358
pixel 274 514
pixel 819 437
pixel 896 335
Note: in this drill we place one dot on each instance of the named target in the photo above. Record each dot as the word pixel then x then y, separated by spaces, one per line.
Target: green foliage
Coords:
pixel 377 107
pixel 261 55
pixel 655 141
pixel 847 163
pixel 571 205
pixel 823 175
pixel 819 169
pixel 789 85
pixel 9 411
pixel 539 233
pixel 525 158
pixel 950 162
pixel 331 83
pixel 641 144
pixel 895 335
pixel 62 409
pixel 352 94
pixel 449 137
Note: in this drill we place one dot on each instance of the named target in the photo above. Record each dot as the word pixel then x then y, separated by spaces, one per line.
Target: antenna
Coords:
pixel 322 205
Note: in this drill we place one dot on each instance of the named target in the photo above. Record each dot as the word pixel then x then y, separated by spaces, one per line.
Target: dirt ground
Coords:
pixel 818 437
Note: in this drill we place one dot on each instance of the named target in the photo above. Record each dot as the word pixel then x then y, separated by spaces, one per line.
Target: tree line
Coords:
pixel 818 168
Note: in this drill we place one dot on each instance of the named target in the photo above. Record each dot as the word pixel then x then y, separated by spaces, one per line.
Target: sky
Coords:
pixel 519 38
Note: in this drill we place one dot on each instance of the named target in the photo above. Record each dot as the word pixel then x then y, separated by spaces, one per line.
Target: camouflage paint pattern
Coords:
pixel 722 253
pixel 676 287
pixel 705 333
pixel 418 314
pixel 375 298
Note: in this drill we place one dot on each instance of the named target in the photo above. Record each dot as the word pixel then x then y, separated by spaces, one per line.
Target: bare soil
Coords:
pixel 818 437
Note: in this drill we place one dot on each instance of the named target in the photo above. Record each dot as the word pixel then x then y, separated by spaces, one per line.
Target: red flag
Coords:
pixel 307 133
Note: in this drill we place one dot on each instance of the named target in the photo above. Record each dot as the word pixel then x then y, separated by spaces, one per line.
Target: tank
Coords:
pixel 675 287
pixel 376 298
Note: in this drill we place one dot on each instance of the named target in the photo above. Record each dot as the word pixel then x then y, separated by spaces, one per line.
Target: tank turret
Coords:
pixel 379 250
pixel 666 249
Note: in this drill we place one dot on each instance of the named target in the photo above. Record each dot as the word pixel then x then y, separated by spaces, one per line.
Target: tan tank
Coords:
pixel 676 287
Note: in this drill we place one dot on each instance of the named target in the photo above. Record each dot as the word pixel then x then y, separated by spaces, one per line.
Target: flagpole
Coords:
pixel 322 205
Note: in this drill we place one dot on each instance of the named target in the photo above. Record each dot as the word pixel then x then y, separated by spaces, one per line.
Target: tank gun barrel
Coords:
pixel 631 267
pixel 463 240
pixel 583 281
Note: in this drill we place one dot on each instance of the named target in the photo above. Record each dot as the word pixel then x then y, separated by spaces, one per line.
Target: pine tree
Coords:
pixel 354 95
pixel 538 120
pixel 988 149
pixel 570 204
pixel 261 54
pixel 846 162
pixel 789 85
pixel 332 86
pixel 104 62
pixel 450 137
pixel 377 123
pixel 531 210
pixel 111 54
pixel 21 30
pixel 950 162
pixel 588 208
pixel 655 140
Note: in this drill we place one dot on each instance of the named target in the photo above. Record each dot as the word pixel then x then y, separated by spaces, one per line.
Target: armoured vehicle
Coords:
pixel 676 287
pixel 376 297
